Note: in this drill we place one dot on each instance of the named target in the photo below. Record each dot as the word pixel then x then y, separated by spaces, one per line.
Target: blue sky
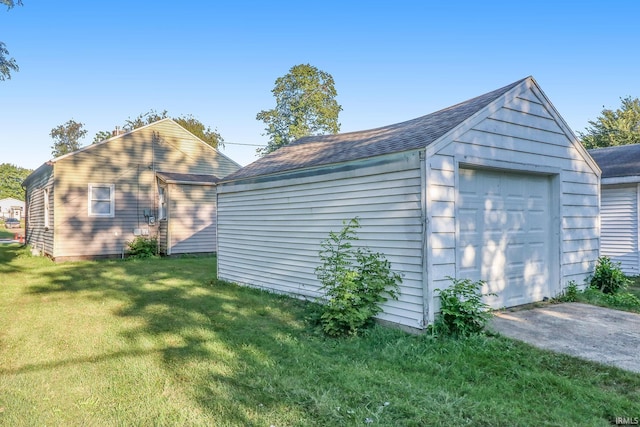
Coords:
pixel 103 62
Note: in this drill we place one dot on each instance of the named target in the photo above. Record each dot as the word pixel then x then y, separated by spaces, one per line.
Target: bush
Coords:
pixel 608 277
pixel 142 247
pixel 462 312
pixel 355 282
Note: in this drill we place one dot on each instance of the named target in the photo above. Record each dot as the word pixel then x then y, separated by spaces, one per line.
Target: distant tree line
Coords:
pixel 11 178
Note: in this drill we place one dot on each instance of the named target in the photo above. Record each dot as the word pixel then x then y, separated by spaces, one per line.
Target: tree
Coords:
pixel 619 127
pixel 101 136
pixel 305 105
pixel 67 137
pixel 193 125
pixel 11 178
pixel 7 64
pixel 144 119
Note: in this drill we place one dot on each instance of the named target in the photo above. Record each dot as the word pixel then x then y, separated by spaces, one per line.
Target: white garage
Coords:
pixel 496 188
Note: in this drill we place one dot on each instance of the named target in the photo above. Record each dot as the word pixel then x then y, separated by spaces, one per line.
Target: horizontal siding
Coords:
pixel 619 226
pixel 523 135
pixel 270 236
pixel 37 236
pixel 192 219
pixel 129 163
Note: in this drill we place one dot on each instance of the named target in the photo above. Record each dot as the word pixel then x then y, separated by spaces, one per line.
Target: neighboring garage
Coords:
pixel 619 211
pixel 496 188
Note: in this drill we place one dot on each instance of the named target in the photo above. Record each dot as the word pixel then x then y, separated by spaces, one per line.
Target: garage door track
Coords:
pixel 611 337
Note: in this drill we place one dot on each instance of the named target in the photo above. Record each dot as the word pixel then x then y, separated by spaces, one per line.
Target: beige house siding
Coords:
pixel 192 219
pixel 129 162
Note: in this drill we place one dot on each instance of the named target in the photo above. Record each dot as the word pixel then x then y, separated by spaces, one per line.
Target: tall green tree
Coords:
pixel 67 137
pixel 614 127
pixel 305 105
pixel 11 178
pixel 7 64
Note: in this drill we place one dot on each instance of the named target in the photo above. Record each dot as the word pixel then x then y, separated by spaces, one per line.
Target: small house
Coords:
pixel 496 188
pixel 156 181
pixel 11 208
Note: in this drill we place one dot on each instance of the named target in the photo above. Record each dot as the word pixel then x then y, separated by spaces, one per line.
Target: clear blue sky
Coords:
pixel 103 62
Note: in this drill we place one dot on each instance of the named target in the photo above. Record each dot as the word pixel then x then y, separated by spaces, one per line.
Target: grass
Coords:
pixel 162 342
pixel 7 233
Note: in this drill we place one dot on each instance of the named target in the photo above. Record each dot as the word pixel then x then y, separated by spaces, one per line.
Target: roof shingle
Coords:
pixel 619 161
pixel 413 134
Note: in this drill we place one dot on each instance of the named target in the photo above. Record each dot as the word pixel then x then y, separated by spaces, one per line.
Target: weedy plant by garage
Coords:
pixel 355 281
pixel 462 311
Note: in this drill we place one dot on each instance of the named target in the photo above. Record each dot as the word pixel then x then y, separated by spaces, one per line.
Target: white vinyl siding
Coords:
pixel 269 234
pixel 520 136
pixel 270 227
pixel 619 226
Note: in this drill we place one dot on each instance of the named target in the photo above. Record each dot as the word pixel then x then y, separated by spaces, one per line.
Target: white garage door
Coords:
pixel 505 234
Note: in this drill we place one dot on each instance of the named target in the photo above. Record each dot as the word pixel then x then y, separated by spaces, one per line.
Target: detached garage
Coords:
pixel 495 188
pixel 619 212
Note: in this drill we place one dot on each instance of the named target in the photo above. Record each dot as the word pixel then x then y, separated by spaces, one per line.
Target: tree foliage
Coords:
pixel 189 122
pixel 67 137
pixel 614 127
pixel 144 119
pixel 11 178
pixel 101 136
pixel 305 105
pixel 7 65
pixel 196 127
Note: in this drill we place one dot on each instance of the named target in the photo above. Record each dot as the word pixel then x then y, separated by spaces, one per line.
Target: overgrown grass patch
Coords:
pixel 162 342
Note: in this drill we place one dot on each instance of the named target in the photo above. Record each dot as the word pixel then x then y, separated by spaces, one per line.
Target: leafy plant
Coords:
pixel 355 280
pixel 142 247
pixel 608 277
pixel 462 311
pixel 570 293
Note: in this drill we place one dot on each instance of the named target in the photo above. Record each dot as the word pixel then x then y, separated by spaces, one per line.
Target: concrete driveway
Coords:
pixel 600 334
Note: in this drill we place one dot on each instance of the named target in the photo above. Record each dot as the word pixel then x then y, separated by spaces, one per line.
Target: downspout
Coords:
pixel 426 229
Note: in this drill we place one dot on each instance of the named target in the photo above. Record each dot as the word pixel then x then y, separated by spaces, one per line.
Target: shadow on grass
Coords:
pixel 215 336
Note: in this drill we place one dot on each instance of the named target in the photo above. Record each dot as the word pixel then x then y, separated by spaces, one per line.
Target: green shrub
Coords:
pixel 355 281
pixel 462 312
pixel 142 247
pixel 608 277
pixel 570 293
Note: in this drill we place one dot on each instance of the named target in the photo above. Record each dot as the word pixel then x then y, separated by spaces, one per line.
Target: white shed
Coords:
pixel 620 186
pixel 496 188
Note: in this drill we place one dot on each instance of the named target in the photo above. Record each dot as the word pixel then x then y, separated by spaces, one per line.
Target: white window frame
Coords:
pixel 162 202
pixel 111 201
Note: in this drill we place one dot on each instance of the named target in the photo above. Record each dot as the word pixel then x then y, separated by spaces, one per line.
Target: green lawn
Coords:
pixel 162 342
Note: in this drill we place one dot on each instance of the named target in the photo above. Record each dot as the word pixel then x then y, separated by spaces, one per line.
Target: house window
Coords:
pixel 101 200
pixel 45 202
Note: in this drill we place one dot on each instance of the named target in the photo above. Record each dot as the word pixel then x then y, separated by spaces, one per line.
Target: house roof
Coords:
pixel 619 161
pixel 413 134
pixel 187 178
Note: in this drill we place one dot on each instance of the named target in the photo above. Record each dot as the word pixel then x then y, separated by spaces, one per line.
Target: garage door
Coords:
pixel 505 234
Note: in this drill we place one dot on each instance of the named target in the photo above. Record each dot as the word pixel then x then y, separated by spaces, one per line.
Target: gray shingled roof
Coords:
pixel 623 160
pixel 188 177
pixel 330 149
